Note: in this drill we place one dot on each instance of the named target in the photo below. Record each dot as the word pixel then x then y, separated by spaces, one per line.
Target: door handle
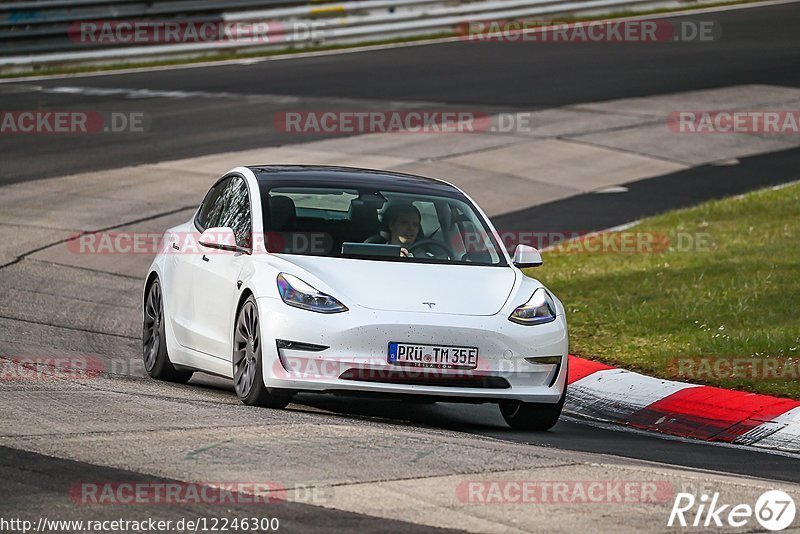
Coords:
pixel 205 258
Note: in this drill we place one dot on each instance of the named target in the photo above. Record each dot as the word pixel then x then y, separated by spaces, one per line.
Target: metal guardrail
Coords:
pixel 322 23
pixel 52 11
pixel 30 27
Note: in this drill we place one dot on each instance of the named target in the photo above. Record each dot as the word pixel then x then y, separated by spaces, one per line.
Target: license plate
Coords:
pixel 433 356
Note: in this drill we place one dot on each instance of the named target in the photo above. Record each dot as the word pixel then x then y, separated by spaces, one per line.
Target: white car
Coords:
pixel 334 279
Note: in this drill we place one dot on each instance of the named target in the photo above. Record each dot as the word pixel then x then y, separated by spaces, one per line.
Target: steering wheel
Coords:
pixel 425 245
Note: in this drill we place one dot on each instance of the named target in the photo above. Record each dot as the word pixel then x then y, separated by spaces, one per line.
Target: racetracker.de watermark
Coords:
pixel 71 122
pixel 408 121
pixel 151 32
pixel 734 367
pixel 563 492
pixel 116 492
pixel 595 31
pixel 188 243
pixel 46 368
pixel 176 493
pixel 426 121
pixel 587 242
pixel 763 122
pixel 420 369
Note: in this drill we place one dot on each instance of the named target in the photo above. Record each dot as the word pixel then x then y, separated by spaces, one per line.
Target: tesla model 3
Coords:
pixel 342 280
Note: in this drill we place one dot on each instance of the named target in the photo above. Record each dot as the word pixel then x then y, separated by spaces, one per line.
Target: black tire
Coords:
pixel 154 339
pixel 532 415
pixel 248 378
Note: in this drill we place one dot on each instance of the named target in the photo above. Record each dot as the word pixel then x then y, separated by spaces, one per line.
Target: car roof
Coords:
pixel 335 176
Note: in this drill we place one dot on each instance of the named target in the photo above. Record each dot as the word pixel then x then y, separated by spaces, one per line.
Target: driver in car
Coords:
pixel 403 221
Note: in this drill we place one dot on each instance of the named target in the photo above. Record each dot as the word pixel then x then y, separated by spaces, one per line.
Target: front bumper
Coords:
pixel 358 340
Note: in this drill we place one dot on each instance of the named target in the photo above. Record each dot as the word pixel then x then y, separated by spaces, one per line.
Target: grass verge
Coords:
pixel 712 295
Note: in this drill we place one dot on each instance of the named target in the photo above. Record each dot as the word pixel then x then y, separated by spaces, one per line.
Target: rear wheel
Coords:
pixel 154 339
pixel 248 379
pixel 532 415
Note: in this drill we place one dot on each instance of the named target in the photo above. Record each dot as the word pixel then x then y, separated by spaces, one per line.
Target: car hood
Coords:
pixel 400 286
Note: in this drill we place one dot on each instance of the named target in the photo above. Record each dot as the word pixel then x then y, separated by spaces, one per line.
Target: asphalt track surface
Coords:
pixel 571 434
pixel 759 45
pixel 224 108
pixel 38 485
pixel 591 212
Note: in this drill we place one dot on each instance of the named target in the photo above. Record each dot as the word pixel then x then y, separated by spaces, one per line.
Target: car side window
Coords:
pixel 211 208
pixel 236 211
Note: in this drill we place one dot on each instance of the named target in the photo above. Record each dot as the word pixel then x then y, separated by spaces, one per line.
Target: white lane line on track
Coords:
pixel 368 48
pixel 614 189
pixel 135 94
pixel 138 93
pixel 141 94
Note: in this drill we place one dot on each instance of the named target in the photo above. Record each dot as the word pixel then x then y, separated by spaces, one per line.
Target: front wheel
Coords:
pixel 154 339
pixel 248 379
pixel 532 415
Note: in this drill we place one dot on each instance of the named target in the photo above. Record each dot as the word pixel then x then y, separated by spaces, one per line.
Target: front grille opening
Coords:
pixel 419 378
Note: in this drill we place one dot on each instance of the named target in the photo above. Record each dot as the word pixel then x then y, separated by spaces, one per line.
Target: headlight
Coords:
pixel 299 294
pixel 539 309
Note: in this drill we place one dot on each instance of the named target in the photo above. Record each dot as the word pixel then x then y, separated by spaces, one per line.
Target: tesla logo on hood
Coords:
pixel 430 304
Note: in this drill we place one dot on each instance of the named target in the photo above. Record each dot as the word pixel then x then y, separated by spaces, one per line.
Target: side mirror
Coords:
pixel 221 238
pixel 526 256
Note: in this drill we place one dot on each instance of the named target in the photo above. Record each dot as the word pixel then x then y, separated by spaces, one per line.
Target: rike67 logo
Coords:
pixel 774 510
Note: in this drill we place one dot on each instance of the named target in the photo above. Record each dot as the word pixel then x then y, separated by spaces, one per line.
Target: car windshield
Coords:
pixel 372 224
